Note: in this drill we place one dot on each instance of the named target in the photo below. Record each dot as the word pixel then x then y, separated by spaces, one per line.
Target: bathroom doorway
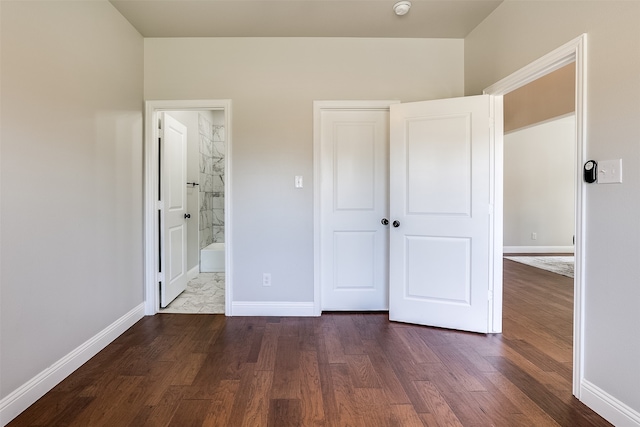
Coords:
pixel 207 201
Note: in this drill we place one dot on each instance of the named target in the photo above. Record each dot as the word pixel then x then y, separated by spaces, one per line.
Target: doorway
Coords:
pixel 208 204
pixel 203 288
pixel 438 226
pixel 572 52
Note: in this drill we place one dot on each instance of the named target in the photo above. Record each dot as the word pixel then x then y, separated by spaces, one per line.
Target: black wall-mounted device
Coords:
pixel 591 171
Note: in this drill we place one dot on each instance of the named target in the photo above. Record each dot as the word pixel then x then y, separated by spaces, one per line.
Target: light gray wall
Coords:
pixel 71 173
pixel 517 33
pixel 539 185
pixel 273 83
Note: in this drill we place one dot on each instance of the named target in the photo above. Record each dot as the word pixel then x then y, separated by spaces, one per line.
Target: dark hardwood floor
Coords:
pixel 335 370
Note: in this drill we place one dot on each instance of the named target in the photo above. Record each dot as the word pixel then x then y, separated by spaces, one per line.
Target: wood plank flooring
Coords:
pixel 348 369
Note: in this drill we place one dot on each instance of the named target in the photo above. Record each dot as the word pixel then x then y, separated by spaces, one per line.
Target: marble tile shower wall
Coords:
pixel 211 182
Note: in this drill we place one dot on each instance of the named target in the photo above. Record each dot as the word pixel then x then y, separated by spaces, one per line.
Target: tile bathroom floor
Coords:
pixel 204 295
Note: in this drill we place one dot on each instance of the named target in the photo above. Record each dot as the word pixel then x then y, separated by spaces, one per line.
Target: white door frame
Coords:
pixel 573 51
pixel 152 207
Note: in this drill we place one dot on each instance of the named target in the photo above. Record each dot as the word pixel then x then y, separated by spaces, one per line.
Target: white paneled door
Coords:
pixel 441 212
pixel 173 155
pixel 430 175
pixel 354 147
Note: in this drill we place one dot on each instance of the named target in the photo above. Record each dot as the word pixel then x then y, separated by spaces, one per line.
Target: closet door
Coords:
pixel 354 147
pixel 441 213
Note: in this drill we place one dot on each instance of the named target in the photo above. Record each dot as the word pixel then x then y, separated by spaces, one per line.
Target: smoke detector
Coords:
pixel 402 7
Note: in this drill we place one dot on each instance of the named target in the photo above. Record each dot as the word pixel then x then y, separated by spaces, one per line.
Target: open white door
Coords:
pixel 173 155
pixel 441 212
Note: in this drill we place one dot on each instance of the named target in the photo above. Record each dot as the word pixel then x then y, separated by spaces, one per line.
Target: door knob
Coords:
pixel 384 221
pixel 396 223
pixel 187 215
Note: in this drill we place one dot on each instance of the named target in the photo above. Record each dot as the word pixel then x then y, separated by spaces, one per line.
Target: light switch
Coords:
pixel 298 181
pixel 610 171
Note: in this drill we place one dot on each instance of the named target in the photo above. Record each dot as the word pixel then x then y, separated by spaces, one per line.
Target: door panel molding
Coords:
pixel 430 170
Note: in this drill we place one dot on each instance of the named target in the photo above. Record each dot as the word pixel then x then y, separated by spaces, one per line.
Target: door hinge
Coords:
pixel 160 277
pixel 159 205
pixel 490 295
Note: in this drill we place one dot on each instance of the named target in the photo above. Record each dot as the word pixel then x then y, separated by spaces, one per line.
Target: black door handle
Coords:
pixel 384 221
pixel 396 223
pixel 187 215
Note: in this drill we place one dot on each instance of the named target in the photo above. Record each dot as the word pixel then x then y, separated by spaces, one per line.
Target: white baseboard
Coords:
pixel 27 394
pixel 193 273
pixel 608 407
pixel 273 308
pixel 538 249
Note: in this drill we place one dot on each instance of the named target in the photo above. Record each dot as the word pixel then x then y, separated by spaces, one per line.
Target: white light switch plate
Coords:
pixel 298 181
pixel 610 171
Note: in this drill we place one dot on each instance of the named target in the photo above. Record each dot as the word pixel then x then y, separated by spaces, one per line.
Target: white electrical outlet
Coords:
pixel 266 279
pixel 534 236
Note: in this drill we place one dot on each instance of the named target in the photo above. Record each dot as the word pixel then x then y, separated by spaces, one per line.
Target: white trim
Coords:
pixel 152 296
pixel 538 249
pixel 580 53
pixel 610 408
pixel 318 107
pixel 496 238
pixel 274 308
pixel 27 394
pixel 575 50
pixel 150 210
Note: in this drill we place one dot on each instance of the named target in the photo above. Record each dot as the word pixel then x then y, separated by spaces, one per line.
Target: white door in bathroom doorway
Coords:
pixel 173 185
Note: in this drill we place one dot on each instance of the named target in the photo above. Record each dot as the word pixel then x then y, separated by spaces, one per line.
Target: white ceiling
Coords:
pixel 304 18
